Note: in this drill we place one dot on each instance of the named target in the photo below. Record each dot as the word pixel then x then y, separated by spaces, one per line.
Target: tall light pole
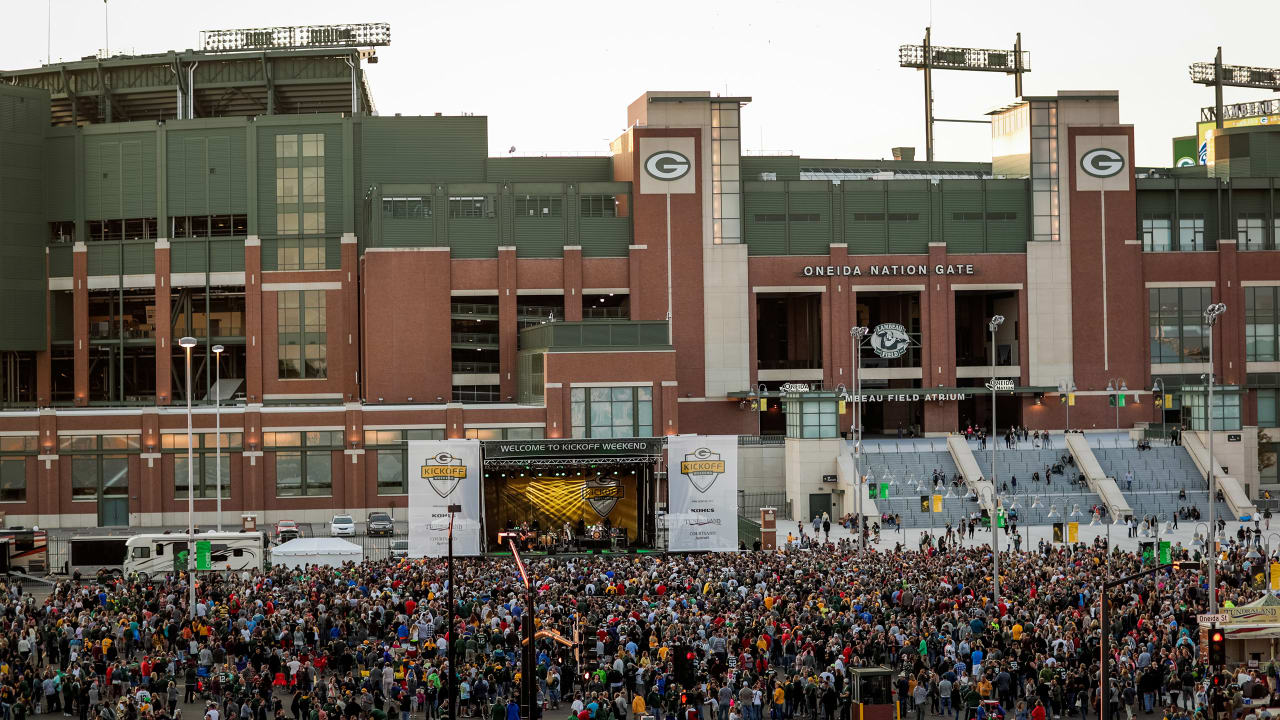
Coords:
pixel 996 322
pixel 217 417
pixel 1115 388
pixel 453 626
pixel 855 337
pixel 1211 314
pixel 187 343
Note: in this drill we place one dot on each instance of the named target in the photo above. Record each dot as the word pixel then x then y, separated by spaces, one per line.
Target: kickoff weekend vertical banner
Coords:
pixel 444 473
pixel 702 482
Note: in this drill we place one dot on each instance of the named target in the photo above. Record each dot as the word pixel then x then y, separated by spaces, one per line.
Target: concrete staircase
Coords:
pixel 1237 500
pixel 1052 498
pixel 908 466
pixel 1159 474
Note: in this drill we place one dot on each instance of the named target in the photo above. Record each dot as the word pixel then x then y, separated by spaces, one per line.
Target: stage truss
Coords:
pixel 565 462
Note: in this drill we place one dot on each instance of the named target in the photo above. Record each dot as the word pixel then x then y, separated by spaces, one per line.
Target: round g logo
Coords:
pixel 667 165
pixel 1102 162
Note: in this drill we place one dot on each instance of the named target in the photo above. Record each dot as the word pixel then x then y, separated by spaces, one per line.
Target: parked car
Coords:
pixel 400 548
pixel 287 530
pixel 379 523
pixel 342 526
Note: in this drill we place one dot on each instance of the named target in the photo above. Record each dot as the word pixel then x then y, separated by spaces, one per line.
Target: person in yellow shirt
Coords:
pixel 779 696
pixel 984 688
pixel 637 705
pixel 1017 632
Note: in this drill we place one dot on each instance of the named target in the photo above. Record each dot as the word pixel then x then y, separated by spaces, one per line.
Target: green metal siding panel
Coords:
pixel 865 236
pixel 809 237
pixel 418 149
pixel 24 117
pixel 962 235
pixel 1154 202
pixel 473 237
pixel 1007 196
pixel 334 189
pixel 60 178
pixel 120 176
pixel 787 167
pixel 187 256
pixel 765 237
pixel 539 237
pixel 605 237
pixel 60 261
pixel 550 169
pixel 139 258
pixel 266 180
pixel 908 198
pixel 407 233
pixel 104 258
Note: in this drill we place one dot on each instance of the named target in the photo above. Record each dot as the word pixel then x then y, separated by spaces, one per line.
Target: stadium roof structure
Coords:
pixel 200 84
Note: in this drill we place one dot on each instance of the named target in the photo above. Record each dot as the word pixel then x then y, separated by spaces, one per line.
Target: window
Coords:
pixel 471 206
pixel 1251 231
pixel 598 206
pixel 1267 407
pixel 904 217
pixel 1175 324
pixel 303 340
pixel 304 461
pixel 770 217
pixel 205 470
pixel 1156 234
pixel 539 206
pixel 406 208
pixel 967 216
pixel 869 217
pixel 192 226
pixel 509 433
pixel 812 418
pixel 13 479
pixel 1002 216
pixel 99 476
pixel 300 201
pixel 476 393
pixel 1191 233
pixel 611 412
pixel 62 232
pixel 391 449
pixel 1226 409
pixel 141 552
pixel 1261 322
pixel 804 217
pixel 726 185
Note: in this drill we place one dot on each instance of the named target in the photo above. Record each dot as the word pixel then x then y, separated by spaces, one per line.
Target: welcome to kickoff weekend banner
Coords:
pixel 702 480
pixel 444 473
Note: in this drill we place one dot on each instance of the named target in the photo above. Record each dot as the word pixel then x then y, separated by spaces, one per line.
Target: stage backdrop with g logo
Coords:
pixel 444 473
pixel 702 474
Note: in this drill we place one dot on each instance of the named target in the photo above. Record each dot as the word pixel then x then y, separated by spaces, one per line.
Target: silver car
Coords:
pixel 400 549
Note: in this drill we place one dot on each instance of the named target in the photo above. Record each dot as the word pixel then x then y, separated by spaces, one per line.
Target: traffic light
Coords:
pixel 685 661
pixel 1062 398
pixel 1215 680
pixel 1217 647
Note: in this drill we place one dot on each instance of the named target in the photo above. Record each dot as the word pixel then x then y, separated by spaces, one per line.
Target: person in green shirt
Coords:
pixel 498 711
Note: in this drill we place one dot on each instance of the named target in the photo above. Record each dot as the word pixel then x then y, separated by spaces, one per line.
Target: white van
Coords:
pixel 154 554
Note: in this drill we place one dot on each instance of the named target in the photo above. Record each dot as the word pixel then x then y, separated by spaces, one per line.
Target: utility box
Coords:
pixel 768 528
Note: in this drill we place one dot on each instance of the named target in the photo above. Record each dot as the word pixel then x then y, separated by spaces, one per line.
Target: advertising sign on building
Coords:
pixel 444 473
pixel 703 473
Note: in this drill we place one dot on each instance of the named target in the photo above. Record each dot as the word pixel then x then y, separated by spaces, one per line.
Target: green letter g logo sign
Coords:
pixel 1102 162
pixel 667 165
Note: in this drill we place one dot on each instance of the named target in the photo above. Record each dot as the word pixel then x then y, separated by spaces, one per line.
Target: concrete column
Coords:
pixel 47 502
pixel 80 322
pixel 508 323
pixel 253 496
pixel 557 402
pixel 150 477
pixel 253 300
pixel 938 351
pixel 164 325
pixel 350 319
pixel 359 494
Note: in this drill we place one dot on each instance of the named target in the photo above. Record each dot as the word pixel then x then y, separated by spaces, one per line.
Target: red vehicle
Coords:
pixel 287 530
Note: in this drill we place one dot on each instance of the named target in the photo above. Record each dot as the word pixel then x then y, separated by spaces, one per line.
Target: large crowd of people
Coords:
pixel 772 633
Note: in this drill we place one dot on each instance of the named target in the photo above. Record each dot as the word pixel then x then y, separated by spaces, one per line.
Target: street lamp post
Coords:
pixel 993 325
pixel 1115 388
pixel 217 437
pixel 1158 385
pixel 1211 314
pixel 855 337
pixel 1067 387
pixel 187 343
pixel 453 626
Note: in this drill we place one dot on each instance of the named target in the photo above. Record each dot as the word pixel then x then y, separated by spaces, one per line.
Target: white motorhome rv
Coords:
pixel 163 553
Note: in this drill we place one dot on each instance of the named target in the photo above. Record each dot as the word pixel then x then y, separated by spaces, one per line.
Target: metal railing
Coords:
pixel 749 504
pixel 474 367
pixel 473 309
pixel 766 440
pixel 476 338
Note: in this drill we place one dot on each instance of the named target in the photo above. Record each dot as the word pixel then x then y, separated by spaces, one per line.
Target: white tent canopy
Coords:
pixel 326 551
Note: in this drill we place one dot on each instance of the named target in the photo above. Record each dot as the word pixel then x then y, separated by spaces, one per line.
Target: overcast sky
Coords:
pixel 557 76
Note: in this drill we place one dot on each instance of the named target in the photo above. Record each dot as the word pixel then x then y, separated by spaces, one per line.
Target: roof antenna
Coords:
pixel 106 30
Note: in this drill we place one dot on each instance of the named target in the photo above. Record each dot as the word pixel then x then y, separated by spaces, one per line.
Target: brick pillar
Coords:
pixel 150 484
pixel 938 348
pixel 454 425
pixel 253 496
pixel 508 323
pixel 164 325
pixel 572 283
pixel 47 504
pixel 358 492
pixel 80 323
pixel 670 408
pixel 1228 336
pixel 556 400
pixel 350 319
pixel 253 319
pixel 837 348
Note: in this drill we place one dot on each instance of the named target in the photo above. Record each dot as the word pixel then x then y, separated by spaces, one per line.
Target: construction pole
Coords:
pixel 928 99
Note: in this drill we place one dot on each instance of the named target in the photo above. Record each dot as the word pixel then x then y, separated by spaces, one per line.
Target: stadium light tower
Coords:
pixel 928 56
pixel 1219 76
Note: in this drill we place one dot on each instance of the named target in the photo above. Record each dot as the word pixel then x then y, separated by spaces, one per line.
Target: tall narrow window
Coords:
pixel 302 328
pixel 726 185
pixel 1191 233
pixel 300 200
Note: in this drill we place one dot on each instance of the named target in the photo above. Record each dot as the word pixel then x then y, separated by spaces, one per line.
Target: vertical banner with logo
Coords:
pixel 444 473
pixel 702 473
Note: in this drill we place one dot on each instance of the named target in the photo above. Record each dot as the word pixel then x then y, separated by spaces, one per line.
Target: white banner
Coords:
pixel 444 473
pixel 702 474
